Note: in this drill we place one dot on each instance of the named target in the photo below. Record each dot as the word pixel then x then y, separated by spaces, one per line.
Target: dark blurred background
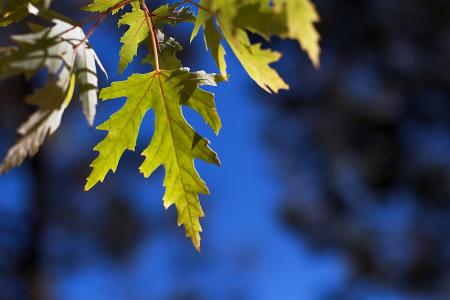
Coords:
pixel 337 189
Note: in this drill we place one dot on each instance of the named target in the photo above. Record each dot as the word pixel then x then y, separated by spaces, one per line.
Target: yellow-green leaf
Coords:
pixel 136 33
pixel 103 5
pixel 301 19
pixel 256 61
pixel 175 145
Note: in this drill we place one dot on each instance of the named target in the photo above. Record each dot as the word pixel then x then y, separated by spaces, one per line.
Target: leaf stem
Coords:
pixel 100 18
pixel 152 32
pixel 91 30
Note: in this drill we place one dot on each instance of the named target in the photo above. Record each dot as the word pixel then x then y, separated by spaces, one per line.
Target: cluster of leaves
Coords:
pixel 63 50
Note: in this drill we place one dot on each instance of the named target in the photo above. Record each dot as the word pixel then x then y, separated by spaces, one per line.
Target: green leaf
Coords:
pixel 213 41
pixel 172 15
pixel 167 54
pixel 175 145
pixel 256 61
pixel 212 37
pixel 63 50
pixel 226 10
pixel 138 32
pixel 104 5
pixel 201 19
pixel 301 17
pixel 292 19
pixel 261 19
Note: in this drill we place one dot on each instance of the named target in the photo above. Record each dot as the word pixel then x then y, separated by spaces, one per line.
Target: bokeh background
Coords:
pixel 337 189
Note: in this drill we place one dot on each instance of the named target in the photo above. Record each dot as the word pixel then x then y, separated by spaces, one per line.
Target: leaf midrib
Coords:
pixel 161 89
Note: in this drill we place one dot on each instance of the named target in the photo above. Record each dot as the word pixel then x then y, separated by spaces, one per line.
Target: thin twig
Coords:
pixel 100 18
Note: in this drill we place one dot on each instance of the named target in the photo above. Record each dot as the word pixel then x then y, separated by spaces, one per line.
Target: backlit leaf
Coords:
pixel 175 145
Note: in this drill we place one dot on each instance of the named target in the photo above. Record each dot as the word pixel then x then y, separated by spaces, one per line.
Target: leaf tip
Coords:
pixel 196 242
pixel 316 62
pixel 90 183
pixel 217 161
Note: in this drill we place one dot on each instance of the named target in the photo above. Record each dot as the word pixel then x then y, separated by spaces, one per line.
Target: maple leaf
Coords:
pixel 63 50
pixel 137 31
pixel 293 19
pixel 175 145
pixel 255 60
pixel 212 37
pixel 301 17
pixel 285 18
pixel 213 40
pixel 262 20
pixel 168 47
pixel 106 5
